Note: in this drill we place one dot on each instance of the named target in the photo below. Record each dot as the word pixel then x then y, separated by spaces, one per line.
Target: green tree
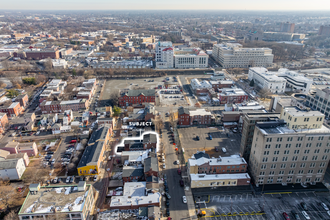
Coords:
pixel 252 83
pixel 74 73
pixel 12 93
pixel 116 111
pixel 29 80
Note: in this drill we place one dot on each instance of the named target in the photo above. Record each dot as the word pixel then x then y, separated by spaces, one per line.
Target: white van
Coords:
pixel 224 150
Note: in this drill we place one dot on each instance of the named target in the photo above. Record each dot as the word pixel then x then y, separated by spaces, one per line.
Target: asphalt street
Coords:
pixel 178 209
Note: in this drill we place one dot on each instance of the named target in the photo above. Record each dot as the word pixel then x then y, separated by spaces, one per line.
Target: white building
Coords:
pixel 267 80
pixel 294 81
pixel 231 55
pixel 190 58
pixel 12 169
pixel 195 84
pixel 164 55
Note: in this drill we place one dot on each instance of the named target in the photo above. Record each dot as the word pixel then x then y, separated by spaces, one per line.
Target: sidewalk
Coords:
pixel 191 204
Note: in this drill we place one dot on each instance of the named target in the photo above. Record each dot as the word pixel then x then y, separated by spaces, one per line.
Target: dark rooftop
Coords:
pixel 91 154
pixel 145 92
pixel 98 134
pixel 150 163
pixel 133 172
pixel 152 138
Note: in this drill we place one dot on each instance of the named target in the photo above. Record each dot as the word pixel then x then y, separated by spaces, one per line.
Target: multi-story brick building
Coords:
pixel 151 167
pixel 190 117
pixel 3 122
pixel 221 165
pixel 61 106
pixel 38 54
pixel 149 142
pixel 221 84
pixel 13 110
pixel 320 101
pixel 282 155
pixel 137 97
pixel 249 122
pixel 229 96
pixel 23 100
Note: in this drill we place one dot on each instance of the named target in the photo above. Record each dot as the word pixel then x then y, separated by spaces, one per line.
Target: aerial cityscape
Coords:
pixel 164 114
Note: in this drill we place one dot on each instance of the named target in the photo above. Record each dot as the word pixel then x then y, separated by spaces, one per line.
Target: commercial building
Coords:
pixel 280 36
pixel 324 30
pixel 94 153
pixel 295 82
pixel 39 54
pixel 232 55
pixel 70 202
pixel 15 148
pixel 320 101
pixel 219 180
pixel 149 141
pixel 12 169
pixel 164 55
pixel 135 195
pixel 196 84
pixel 137 97
pixel 221 165
pixel 190 58
pixel 248 126
pixel 232 95
pixel 193 117
pixel 282 155
pixel 267 80
pixel 287 27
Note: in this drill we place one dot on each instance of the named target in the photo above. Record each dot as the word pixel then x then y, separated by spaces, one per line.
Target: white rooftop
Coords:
pixel 199 112
pixel 199 177
pixel 77 101
pixel 221 161
pixel 13 104
pixel 135 156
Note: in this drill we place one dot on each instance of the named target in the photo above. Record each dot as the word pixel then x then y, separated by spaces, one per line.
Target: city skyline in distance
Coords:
pixel 255 5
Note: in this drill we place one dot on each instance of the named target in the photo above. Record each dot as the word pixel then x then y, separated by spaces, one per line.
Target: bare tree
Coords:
pixel 48 64
pixel 264 93
pixel 12 215
pixel 114 98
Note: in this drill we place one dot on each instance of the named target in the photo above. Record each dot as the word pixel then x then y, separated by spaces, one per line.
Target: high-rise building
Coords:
pixel 324 30
pixel 190 58
pixel 249 122
pixel 320 101
pixel 293 150
pixel 231 55
pixel 164 55
pixel 287 27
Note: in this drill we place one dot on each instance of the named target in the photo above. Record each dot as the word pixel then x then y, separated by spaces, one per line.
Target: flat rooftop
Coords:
pixel 294 111
pixel 64 199
pixel 198 177
pixel 232 160
pixel 285 130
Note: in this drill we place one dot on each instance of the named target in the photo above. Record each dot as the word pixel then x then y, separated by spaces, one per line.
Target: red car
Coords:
pixel 73 141
pixel 286 216
pixel 179 171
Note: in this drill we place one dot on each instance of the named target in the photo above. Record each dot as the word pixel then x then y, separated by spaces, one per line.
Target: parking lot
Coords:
pixel 246 206
pixel 172 97
pixel 220 138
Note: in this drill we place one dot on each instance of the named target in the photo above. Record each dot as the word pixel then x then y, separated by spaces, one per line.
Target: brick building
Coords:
pixel 132 174
pixel 234 95
pixel 221 84
pixel 151 167
pixel 13 110
pixel 190 117
pixel 137 97
pixel 3 122
pixel 23 100
pixel 149 142
pixel 61 106
pixel 33 54
pixel 221 165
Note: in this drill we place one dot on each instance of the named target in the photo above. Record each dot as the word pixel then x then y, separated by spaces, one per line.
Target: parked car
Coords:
pixel 304 206
pixel 179 171
pixel 216 149
pixel 165 177
pixel 55 180
pixel 73 141
pixel 210 137
pixel 197 138
pixel 178 162
pixel 295 215
pixel 324 206
pixel 167 204
pixel 286 216
pixel 72 179
pixel 181 183
pixel 184 199
pixel 166 189
pixel 68 179
pixel 224 150
pixel 164 166
pixel 305 215
pixel 168 195
pixel 95 178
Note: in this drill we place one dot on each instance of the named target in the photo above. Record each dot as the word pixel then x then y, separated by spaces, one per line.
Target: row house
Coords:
pixel 13 110
pixel 23 100
pixel 193 117
pixel 3 122
pixel 149 142
pixel 137 97
pixel 57 106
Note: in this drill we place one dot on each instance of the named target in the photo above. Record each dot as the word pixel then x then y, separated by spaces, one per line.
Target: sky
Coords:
pixel 270 5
